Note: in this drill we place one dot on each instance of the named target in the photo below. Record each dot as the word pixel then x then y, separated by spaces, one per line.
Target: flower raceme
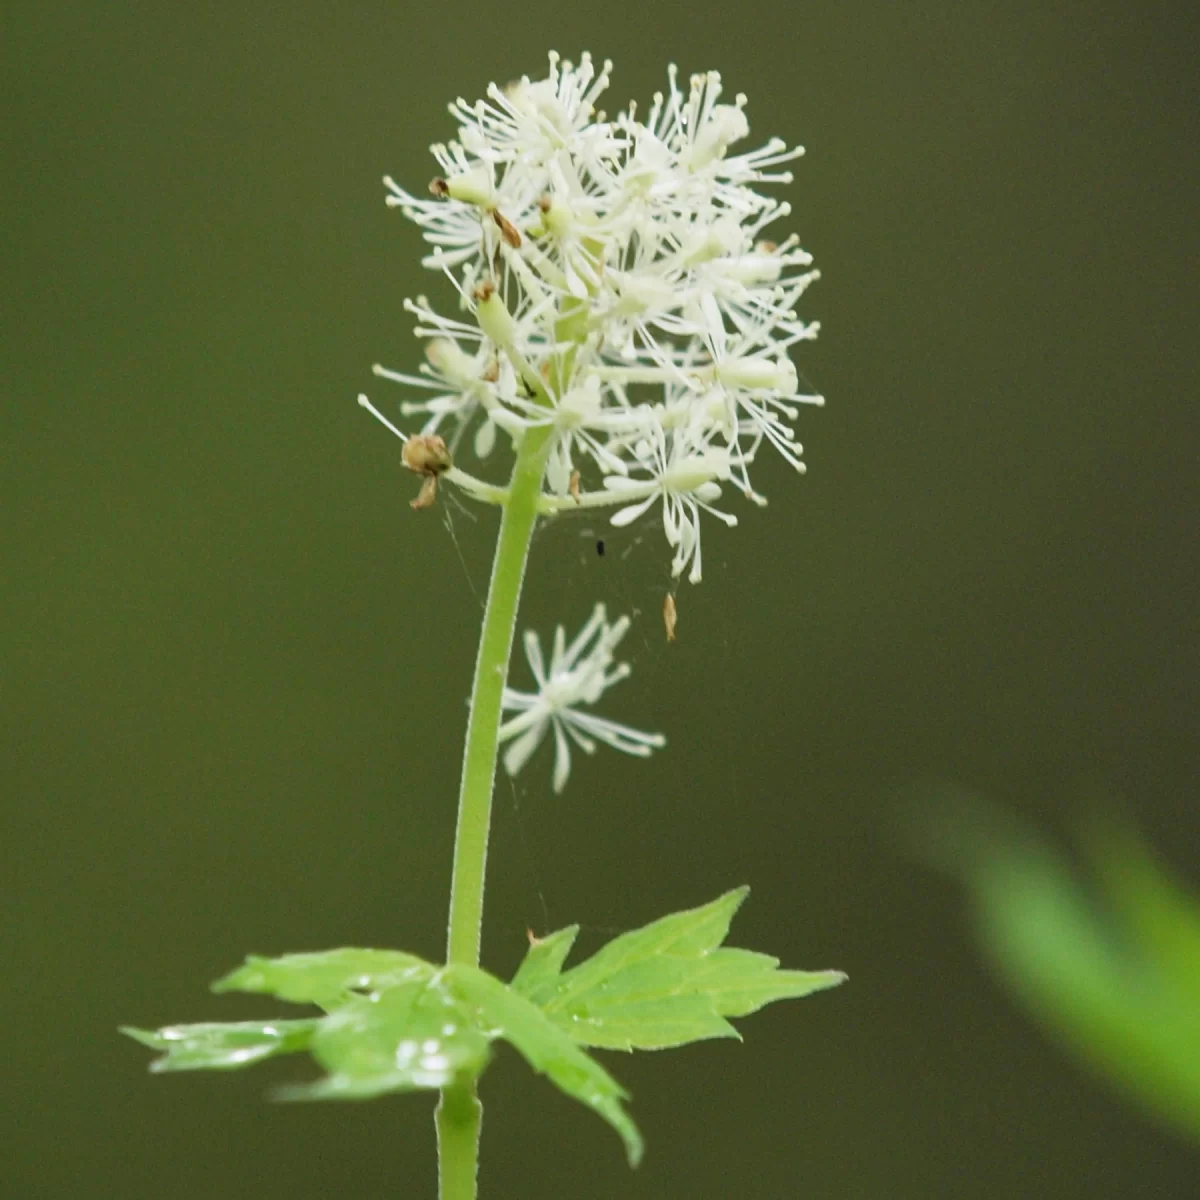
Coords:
pixel 616 287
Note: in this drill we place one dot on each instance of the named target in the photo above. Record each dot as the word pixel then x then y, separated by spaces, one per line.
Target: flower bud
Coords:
pixel 556 216
pixel 695 471
pixel 759 374
pixel 451 363
pixel 717 240
pixel 471 187
pixel 494 319
pixel 726 124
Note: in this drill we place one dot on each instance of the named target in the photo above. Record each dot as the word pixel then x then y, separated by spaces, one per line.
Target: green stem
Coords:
pixel 459 1112
pixel 483 721
pixel 458 1118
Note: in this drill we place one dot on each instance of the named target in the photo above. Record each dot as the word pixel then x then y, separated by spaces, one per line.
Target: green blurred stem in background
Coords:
pixel 459 1111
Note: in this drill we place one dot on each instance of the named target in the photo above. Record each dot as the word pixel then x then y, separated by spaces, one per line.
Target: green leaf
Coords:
pixel 537 977
pixel 395 1023
pixel 327 978
pixel 413 1034
pixel 223 1046
pixel 1119 983
pixel 1156 909
pixel 666 984
pixel 546 1047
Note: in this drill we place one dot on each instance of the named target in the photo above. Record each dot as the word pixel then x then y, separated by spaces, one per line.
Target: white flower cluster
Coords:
pixel 616 286
pixel 576 676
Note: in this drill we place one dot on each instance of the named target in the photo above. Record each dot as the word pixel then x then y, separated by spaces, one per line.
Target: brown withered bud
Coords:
pixel 508 231
pixel 428 493
pixel 426 454
pixel 484 291
pixel 439 187
pixel 573 486
pixel 669 616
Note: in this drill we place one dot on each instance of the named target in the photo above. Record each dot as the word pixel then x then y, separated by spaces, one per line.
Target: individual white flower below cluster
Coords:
pixel 617 287
pixel 576 677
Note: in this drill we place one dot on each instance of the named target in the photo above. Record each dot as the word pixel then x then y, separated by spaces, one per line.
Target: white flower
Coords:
pixel 616 283
pixel 461 382
pixel 684 476
pixel 578 675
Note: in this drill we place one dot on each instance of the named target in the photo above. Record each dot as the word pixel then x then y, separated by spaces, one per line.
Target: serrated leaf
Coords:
pixel 645 1024
pixel 666 984
pixel 537 976
pixel 411 1035
pixel 326 978
pixel 395 1022
pixel 223 1046
pixel 692 932
pixel 742 981
pixel 546 1047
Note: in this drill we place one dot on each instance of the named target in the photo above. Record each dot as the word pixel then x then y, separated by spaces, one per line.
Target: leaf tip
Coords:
pixel 634 1152
pixel 733 899
pixel 237 979
pixel 821 981
pixel 631 1136
pixel 145 1037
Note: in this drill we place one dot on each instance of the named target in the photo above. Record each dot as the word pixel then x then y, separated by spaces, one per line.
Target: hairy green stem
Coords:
pixel 459 1112
pixel 483 721
pixel 458 1117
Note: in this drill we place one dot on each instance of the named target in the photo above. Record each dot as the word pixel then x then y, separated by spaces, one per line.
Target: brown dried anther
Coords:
pixel 439 187
pixel 508 231
pixel 669 616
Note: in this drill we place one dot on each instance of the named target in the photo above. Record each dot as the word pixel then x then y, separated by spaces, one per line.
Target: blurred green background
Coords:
pixel 234 663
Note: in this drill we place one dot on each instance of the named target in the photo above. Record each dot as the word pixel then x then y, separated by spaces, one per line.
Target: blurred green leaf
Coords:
pixel 412 1034
pixel 666 984
pixel 223 1045
pixel 326 978
pixel 546 1048
pixel 1157 910
pixel 1119 981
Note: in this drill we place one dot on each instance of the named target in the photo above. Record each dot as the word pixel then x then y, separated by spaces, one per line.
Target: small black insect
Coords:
pixel 600 547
